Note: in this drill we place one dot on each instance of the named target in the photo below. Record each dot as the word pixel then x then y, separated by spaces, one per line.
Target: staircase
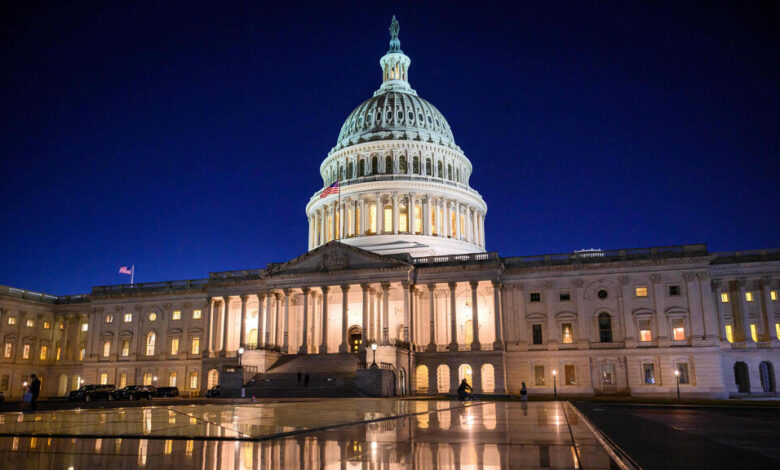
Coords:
pixel 330 375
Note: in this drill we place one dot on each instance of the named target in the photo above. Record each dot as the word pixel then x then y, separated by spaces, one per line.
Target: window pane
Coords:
pixel 678 329
pixel 608 374
pixel 539 375
pixel 566 333
pixel 537 333
pixel 649 374
pixel 641 291
pixel 682 368
pixel 730 334
pixel 570 375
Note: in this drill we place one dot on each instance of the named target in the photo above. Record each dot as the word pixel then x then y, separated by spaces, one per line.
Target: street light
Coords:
pixel 154 379
pixel 677 378
pixel 240 353
pixel 555 384
pixel 373 361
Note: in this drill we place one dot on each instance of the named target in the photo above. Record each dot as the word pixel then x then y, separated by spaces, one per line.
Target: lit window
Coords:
pixel 729 334
pixel 44 352
pixel 640 291
pixel 174 346
pixel 678 329
pixel 106 348
pixel 172 379
pixel 82 354
pixel 12 320
pixel 123 380
pixel 176 315
pixel 724 297
pixel 61 326
pixel 84 326
pixel 773 294
pixel 749 296
pixel 125 348
pixel 26 352
pixel 147 380
pixel 195 347
pixel 109 318
pixel 103 378
pixel 536 297
pixel 608 374
pixel 196 314
pixel 565 296
pixel 539 375
pixel 673 289
pixel 570 374
pixel 753 332
pixel 645 332
pixel 536 333
pixel 567 335
pixel 128 317
pixel 649 371
pixel 683 376
pixel 151 339
pixel 403 218
pixel 9 348
pixel 193 380
pixel 58 354
pixel 152 316
pixel 46 325
pixel 30 323
pixel 371 219
pixel 189 447
pixel 777 330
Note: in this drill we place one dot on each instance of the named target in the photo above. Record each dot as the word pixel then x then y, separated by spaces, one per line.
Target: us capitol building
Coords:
pixel 398 260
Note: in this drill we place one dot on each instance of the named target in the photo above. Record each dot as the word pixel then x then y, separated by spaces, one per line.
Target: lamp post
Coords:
pixel 677 379
pixel 154 379
pixel 555 384
pixel 240 353
pixel 373 361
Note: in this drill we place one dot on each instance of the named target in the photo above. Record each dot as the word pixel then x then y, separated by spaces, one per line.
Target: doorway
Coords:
pixel 355 339
pixel 741 377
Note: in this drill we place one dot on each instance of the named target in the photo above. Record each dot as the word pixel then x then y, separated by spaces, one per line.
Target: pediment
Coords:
pixel 335 256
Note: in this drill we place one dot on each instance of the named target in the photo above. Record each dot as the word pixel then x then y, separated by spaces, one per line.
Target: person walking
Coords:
pixel 463 390
pixel 35 390
pixel 523 393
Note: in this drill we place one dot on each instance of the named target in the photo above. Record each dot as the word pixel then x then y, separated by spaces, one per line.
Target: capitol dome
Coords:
pixel 396 182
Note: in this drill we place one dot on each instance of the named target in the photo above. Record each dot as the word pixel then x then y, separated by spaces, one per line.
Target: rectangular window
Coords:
pixel 565 296
pixel 649 370
pixel 372 218
pixel 109 318
pixel 536 331
pixel 103 378
pixel 753 333
pixel 193 380
pixel 58 354
pixel 128 317
pixel 174 346
pixel 777 330
pixel 195 347
pixel 749 296
pixel 12 320
pixel 106 348
pixel 84 326
pixel 30 323
pixel 539 375
pixel 608 374
pixel 673 289
pixel 147 378
pixel 123 380
pixel 82 354
pixel 682 369
pixel 44 352
pixel 61 326
pixel 678 329
pixel 196 314
pixel 570 374
pixel 176 315
pixel 640 291
pixel 536 297
pixel 125 348
pixel 46 325
pixel 9 348
pixel 773 294
pixel 171 379
pixel 566 333
pixel 26 351
pixel 645 331
pixel 724 297
pixel 387 219
pixel 729 334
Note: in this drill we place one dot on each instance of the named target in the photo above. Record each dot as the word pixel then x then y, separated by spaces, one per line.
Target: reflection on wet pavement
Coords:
pixel 339 433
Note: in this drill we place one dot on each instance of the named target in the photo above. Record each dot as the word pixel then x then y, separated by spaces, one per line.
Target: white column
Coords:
pixel 225 323
pixel 427 216
pixel 432 317
pixel 453 318
pixel 475 226
pixel 212 326
pixel 457 221
pixel 304 348
pixel 447 220
pixel 344 347
pixel 407 310
pixel 385 312
pixel 267 327
pixel 475 345
pixel 242 329
pixel 498 343
pixel 380 214
pixel 410 213
pixel 439 212
pixel 277 318
pixel 324 330
pixel 363 217
pixel 286 343
pixel 364 325
pixel 395 213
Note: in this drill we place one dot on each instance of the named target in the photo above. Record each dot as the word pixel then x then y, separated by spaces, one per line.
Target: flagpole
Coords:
pixel 132 274
pixel 341 216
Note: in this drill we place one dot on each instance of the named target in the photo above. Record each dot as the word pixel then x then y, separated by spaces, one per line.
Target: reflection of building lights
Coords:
pixel 374 446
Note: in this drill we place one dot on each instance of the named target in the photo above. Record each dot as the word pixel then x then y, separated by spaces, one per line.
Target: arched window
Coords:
pixel 362 167
pixel 464 372
pixel 403 218
pixel 418 219
pixel 374 165
pixel 449 172
pixel 350 170
pixel 605 328
pixel 439 169
pixel 421 379
pixel 428 166
pixel 342 172
pixel 457 174
pixel 766 372
pixel 151 339
pixel 213 379
pixel 388 164
pixel 402 164
pixel 416 165
pixel 488 378
pixel 253 338
pixel 443 379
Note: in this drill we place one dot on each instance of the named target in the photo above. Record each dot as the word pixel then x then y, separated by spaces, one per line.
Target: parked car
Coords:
pixel 213 392
pixel 135 392
pixel 92 392
pixel 167 392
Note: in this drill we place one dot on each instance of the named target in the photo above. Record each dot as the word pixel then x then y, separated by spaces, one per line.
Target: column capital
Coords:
pixel 365 287
pixel 655 278
pixel 287 291
pixel 345 288
pixel 243 298
pixel 622 279
pixel 474 284
pixel 689 277
pixel 278 295
pixel 431 287
pixel 305 290
pixel 385 286
pixel 260 296
pixel 324 289
pixel 226 298
pixel 703 276
pixel 406 284
pixel 452 285
pixel 497 284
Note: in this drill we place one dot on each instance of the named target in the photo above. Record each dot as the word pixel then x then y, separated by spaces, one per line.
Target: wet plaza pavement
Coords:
pixel 325 433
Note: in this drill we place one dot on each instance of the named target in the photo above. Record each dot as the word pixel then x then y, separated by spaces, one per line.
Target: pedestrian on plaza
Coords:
pixel 463 390
pixel 523 393
pixel 35 390
pixel 306 380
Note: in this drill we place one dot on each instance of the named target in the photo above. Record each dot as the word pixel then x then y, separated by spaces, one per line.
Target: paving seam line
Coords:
pixel 171 408
pixel 619 456
pixel 571 433
pixel 266 437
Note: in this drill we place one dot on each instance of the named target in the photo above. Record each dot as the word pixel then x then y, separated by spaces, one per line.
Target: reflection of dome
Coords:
pixel 395 116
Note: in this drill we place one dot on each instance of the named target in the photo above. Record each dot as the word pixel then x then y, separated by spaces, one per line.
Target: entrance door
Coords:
pixel 741 377
pixel 355 338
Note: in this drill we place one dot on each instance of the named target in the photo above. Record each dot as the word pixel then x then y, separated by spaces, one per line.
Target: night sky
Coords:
pixel 186 138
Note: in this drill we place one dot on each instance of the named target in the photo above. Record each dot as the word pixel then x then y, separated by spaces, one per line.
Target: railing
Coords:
pixel 764 345
pixel 237 274
pixel 42 297
pixel 456 258
pixel 601 256
pixel 725 257
pixel 150 287
pixel 399 177
pixel 740 345
pixel 386 366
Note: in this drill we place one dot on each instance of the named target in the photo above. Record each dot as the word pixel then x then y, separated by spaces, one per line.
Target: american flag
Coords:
pixel 332 189
pixel 125 270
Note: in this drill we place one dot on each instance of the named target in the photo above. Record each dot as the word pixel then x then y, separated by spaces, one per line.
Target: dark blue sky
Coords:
pixel 187 137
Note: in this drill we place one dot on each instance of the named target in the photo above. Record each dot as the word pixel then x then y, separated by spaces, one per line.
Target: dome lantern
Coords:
pixel 395 65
